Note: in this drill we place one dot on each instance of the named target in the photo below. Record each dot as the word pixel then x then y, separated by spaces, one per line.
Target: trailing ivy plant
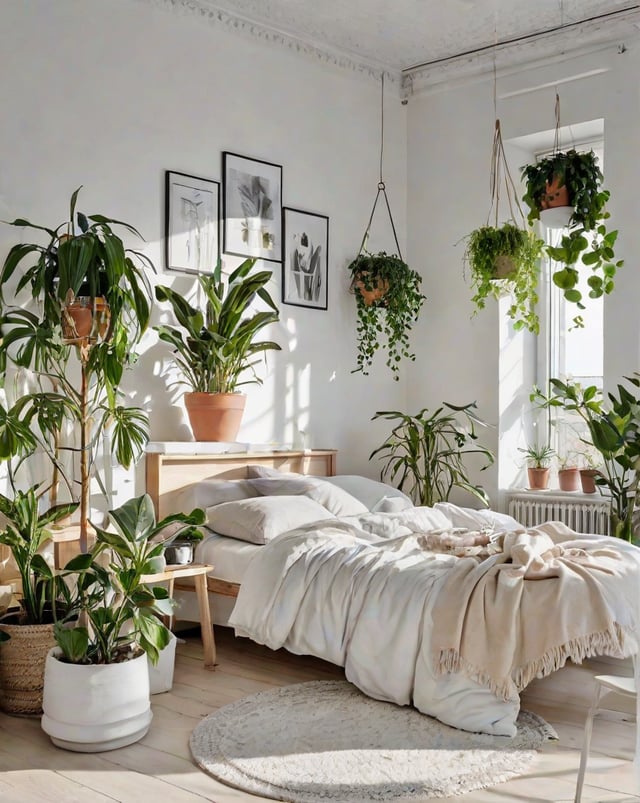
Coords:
pixel 425 454
pixel 588 241
pixel 506 260
pixel 389 317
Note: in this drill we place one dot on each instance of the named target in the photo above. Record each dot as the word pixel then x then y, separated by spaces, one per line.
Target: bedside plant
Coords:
pixel 506 259
pixel 388 300
pixel 425 454
pixel 214 347
pixel 538 459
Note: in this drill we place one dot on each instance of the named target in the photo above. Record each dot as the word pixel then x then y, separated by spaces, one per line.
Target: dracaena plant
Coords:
pixel 114 615
pixel 214 347
pixel 425 454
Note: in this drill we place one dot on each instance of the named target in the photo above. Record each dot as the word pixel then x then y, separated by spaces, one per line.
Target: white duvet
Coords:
pixel 360 592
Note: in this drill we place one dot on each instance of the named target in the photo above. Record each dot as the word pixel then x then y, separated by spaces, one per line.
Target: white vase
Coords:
pixel 91 708
pixel 254 233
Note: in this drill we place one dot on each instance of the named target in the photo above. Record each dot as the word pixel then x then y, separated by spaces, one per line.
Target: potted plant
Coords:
pixel 538 459
pixel 589 472
pixel 83 255
pixel 574 179
pixel 215 347
pixel 30 630
pixel 180 550
pixel 388 300
pixel 426 453
pixel 96 684
pixel 614 430
pixel 506 259
pixel 568 473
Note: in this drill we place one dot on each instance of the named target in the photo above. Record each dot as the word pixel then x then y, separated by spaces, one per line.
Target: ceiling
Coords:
pixel 401 35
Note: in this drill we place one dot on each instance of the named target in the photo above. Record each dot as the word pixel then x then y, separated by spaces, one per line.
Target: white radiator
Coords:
pixel 582 514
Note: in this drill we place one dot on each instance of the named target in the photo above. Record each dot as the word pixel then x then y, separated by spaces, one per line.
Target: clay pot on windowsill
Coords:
pixel 569 479
pixel 538 478
pixel 587 479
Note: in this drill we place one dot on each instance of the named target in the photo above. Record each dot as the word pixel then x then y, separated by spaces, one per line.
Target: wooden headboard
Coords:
pixel 168 474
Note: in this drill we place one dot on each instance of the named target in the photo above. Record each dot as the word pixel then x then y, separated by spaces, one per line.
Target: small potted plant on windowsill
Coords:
pixel 506 260
pixel 538 458
pixel 568 473
pixel 388 302
pixel 589 472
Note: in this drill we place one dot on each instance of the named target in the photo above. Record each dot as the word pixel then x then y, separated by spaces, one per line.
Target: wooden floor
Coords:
pixel 159 768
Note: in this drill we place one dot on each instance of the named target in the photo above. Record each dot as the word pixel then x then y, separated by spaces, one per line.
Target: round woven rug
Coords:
pixel 325 740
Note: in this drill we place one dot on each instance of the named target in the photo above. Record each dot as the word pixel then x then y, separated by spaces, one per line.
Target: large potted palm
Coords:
pixel 90 301
pixel 215 348
pixel 96 682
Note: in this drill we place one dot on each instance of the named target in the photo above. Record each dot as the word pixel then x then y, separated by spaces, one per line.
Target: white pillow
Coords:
pixel 334 499
pixel 267 472
pixel 472 519
pixel 212 491
pixel 263 518
pixel 378 497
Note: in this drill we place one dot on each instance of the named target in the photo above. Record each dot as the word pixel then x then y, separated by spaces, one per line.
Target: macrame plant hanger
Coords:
pixel 381 186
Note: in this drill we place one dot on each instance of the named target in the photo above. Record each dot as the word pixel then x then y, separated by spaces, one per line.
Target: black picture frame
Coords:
pixel 192 223
pixel 305 262
pixel 252 207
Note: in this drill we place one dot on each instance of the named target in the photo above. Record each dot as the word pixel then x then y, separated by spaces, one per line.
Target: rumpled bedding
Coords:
pixel 392 598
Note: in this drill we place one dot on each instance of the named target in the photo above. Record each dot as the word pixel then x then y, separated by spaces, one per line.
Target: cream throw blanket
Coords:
pixel 520 613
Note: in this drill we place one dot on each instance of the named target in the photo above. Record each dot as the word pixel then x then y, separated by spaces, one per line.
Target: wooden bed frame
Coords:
pixel 167 475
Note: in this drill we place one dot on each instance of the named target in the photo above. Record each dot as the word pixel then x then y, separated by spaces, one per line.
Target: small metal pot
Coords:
pixel 179 553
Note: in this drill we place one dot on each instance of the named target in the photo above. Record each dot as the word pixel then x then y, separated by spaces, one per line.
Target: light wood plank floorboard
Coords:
pixel 159 768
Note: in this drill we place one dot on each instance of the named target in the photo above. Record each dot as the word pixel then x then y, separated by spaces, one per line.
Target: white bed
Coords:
pixel 340 569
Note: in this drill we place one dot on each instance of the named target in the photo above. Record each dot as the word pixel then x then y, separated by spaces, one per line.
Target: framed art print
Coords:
pixel 306 258
pixel 252 207
pixel 192 223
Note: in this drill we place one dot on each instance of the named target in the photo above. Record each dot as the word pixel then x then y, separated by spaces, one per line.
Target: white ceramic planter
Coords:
pixel 93 708
pixel 161 675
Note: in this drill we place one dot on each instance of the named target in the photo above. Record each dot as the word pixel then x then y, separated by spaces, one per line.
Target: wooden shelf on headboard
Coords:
pixel 167 474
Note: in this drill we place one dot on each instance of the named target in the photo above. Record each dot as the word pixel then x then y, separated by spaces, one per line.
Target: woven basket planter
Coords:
pixel 22 660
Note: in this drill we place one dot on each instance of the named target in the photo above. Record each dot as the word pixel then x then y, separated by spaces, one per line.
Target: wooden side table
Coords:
pixel 199 573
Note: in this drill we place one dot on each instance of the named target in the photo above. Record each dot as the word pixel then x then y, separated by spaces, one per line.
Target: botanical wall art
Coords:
pixel 252 207
pixel 192 231
pixel 305 258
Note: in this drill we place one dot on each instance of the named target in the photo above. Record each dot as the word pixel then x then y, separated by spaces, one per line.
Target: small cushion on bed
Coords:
pixel 334 499
pixel 473 519
pixel 376 496
pixel 263 518
pixel 209 492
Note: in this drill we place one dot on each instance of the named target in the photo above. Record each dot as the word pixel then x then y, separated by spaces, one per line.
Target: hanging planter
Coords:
pixel 574 178
pixel 505 258
pixel 387 292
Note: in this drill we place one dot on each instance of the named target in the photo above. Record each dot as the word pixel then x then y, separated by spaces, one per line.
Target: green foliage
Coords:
pixel 488 244
pixel 83 255
pixel 614 429
pixel 114 613
pixel 392 317
pixel 588 244
pixel 425 453
pixel 25 532
pixel 538 456
pixel 213 348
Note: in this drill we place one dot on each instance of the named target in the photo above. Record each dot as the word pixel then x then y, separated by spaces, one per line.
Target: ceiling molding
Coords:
pixel 211 14
pixel 548 47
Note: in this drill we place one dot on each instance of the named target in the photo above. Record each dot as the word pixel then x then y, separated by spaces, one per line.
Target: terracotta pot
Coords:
pixel 538 478
pixel 371 297
pixel 22 662
pixel 569 479
pixel 555 195
pixel 77 319
pixel 215 416
pixel 587 478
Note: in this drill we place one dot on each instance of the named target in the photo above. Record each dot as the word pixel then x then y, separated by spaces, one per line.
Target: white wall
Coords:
pixel 110 95
pixel 449 145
